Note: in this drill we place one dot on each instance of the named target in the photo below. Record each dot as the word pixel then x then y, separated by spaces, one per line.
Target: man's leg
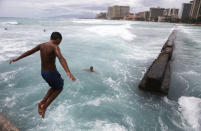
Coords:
pixel 49 101
pixel 48 94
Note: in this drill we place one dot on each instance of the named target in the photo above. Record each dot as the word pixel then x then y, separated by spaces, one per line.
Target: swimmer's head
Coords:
pixel 91 68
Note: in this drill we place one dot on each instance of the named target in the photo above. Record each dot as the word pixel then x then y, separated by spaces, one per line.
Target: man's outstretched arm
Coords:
pixel 63 62
pixel 35 49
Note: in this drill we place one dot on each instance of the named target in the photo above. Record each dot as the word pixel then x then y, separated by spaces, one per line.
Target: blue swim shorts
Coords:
pixel 53 78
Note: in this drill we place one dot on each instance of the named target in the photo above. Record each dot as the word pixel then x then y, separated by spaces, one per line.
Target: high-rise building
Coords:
pixel 110 12
pixel 199 12
pixel 195 9
pixel 184 13
pixel 166 12
pixel 118 12
pixel 173 12
pixel 155 13
pixel 146 15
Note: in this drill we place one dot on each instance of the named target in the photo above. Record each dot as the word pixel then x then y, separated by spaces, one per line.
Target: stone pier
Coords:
pixel 157 78
pixel 6 125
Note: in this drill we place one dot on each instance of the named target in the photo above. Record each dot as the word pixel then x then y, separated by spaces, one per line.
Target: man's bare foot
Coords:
pixel 39 108
pixel 43 111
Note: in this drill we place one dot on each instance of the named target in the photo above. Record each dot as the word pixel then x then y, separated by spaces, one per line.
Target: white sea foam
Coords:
pixel 97 102
pixel 191 33
pixel 87 21
pixel 163 127
pixel 186 30
pixel 116 31
pixel 191 110
pixel 141 51
pixel 106 126
pixel 10 23
pixel 12 49
pixel 10 101
pixel 139 54
pixel 101 22
pixel 190 72
pixel 130 122
pixel 58 115
pixel 6 76
pixel 112 83
pixel 2 58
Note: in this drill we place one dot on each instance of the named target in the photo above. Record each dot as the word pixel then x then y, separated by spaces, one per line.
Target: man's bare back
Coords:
pixel 48 56
pixel 48 52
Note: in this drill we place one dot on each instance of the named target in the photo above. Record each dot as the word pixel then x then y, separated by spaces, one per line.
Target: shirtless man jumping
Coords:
pixel 48 52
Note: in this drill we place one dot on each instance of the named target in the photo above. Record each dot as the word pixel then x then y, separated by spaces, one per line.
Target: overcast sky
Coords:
pixel 75 8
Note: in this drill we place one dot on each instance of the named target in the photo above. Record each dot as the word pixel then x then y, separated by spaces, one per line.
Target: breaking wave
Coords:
pixel 11 23
pixel 121 31
pixel 191 110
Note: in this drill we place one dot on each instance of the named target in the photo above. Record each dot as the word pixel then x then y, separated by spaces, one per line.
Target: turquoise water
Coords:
pixel 120 52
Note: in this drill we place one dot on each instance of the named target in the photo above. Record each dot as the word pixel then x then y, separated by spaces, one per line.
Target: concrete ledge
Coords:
pixel 157 78
pixel 6 125
pixel 166 81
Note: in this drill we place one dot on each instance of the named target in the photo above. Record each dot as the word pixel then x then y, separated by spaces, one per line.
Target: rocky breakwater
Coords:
pixel 6 125
pixel 158 76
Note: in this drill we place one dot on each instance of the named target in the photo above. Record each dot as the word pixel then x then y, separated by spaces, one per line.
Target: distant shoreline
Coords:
pixel 153 22
pixel 106 19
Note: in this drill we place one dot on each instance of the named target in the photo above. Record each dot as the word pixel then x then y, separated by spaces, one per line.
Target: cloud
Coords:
pixel 48 8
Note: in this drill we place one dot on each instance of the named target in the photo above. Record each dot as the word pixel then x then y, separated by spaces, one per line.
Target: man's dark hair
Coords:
pixel 55 36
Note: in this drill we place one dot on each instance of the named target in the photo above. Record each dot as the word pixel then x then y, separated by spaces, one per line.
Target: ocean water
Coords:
pixel 120 52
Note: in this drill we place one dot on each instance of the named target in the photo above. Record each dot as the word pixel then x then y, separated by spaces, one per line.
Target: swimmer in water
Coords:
pixel 91 69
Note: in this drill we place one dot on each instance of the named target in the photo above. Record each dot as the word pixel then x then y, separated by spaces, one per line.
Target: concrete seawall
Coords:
pixel 157 78
pixel 6 125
